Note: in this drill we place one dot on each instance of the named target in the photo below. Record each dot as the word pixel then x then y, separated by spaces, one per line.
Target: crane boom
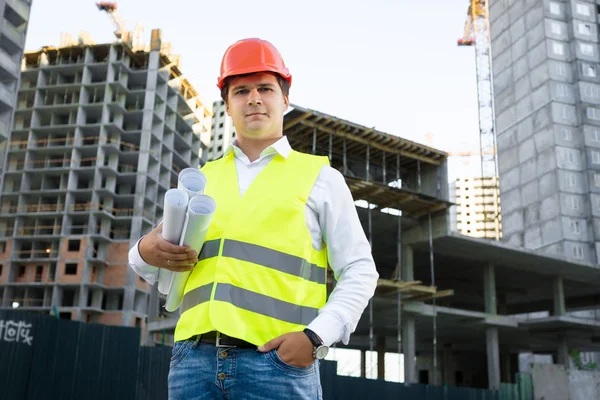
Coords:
pixel 111 10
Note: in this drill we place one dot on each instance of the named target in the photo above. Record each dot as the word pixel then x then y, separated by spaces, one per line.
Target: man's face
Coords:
pixel 256 105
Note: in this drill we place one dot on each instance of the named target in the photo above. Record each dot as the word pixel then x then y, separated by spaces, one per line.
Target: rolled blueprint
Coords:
pixel 201 209
pixel 192 180
pixel 175 211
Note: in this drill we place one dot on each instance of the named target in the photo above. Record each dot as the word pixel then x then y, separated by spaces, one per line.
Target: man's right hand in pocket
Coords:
pixel 157 252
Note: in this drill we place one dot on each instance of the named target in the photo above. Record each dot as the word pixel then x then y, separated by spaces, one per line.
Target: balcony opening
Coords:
pixel 68 298
pixel 71 269
pixel 74 245
pixel 39 270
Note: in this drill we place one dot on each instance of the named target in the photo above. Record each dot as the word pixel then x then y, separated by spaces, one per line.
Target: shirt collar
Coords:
pixel 281 147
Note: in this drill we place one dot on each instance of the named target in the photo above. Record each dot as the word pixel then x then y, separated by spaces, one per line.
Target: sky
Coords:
pixel 389 64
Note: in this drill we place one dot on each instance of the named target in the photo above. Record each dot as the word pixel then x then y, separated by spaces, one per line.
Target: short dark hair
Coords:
pixel 283 84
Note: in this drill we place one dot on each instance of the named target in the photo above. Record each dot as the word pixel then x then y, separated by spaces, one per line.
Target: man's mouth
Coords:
pixel 252 114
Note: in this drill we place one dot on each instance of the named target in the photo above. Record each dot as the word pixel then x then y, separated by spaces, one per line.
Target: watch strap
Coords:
pixel 313 337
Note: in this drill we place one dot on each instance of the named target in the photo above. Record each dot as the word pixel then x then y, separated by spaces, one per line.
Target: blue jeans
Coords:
pixel 203 371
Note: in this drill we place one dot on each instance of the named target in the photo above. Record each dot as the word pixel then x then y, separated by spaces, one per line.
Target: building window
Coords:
pixel 566 134
pixel 578 251
pixel 595 157
pixel 583 9
pixel 593 113
pixel 556 28
pixel 574 203
pixel 570 157
pixel 567 113
pixel 558 48
pixel 554 8
pixel 597 180
pixel 588 70
pixel 563 90
pixel 585 29
pixel 575 227
pixel 560 69
pixel 570 179
pixel 586 49
pixel 595 135
pixel 591 90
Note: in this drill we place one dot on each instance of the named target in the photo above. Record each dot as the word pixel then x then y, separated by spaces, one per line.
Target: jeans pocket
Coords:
pixel 287 368
pixel 180 350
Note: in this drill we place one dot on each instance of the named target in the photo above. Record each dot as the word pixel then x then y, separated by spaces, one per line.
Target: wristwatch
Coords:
pixel 319 349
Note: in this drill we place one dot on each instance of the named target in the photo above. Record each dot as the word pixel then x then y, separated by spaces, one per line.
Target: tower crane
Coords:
pixel 111 10
pixel 477 33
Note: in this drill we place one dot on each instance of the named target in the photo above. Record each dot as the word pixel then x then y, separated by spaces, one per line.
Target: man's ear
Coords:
pixel 286 100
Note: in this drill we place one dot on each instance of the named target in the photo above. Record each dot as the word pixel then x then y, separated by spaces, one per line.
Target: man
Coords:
pixel 254 319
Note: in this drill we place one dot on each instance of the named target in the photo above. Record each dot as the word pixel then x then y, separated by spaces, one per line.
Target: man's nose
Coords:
pixel 254 97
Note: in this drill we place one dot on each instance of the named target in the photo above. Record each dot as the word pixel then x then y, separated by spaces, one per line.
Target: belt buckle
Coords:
pixel 218 341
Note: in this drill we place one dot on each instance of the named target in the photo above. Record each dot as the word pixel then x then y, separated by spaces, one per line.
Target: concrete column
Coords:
pixel 559 296
pixel 152 312
pixel 493 358
pixel 493 350
pixel 489 289
pixel 407 264
pixel 562 352
pixel 363 363
pixel 380 357
pixel 5 300
pixel 408 349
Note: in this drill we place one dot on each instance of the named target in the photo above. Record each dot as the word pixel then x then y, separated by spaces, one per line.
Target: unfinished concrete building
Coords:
pixel 476 198
pixel 222 131
pixel 13 32
pixel 100 134
pixel 547 103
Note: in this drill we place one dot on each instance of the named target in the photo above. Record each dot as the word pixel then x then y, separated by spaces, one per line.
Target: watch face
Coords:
pixel 321 352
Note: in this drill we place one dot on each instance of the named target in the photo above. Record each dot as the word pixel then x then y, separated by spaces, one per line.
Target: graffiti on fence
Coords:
pixel 19 332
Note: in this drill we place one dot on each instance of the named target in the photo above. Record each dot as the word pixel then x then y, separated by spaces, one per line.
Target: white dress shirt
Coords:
pixel 331 217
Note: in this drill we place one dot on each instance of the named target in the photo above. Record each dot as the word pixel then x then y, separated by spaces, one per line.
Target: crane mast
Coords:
pixel 476 33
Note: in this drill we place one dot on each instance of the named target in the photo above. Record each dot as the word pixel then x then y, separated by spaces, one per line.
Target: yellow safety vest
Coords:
pixel 258 275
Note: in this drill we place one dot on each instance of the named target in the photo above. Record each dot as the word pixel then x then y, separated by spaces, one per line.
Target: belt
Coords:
pixel 221 340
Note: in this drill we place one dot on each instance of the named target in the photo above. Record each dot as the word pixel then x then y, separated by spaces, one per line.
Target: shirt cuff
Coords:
pixel 329 328
pixel 141 267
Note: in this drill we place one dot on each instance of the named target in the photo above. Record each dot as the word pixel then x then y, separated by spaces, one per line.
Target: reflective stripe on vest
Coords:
pixel 266 257
pixel 251 301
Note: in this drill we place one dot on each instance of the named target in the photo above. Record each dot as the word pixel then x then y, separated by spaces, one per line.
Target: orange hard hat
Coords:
pixel 252 55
